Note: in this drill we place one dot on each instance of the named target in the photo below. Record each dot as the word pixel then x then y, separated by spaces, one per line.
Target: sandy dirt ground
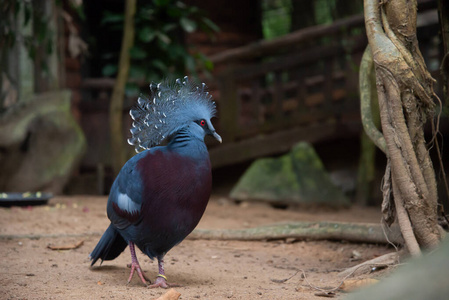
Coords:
pixel 205 269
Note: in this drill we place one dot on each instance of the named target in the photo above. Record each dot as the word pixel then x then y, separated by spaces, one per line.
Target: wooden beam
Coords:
pixel 274 143
pixel 265 47
pixel 292 61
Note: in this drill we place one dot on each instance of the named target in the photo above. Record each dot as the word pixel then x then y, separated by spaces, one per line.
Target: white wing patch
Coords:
pixel 125 203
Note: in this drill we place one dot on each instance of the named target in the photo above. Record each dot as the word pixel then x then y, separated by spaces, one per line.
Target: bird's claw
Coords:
pixel 136 267
pixel 162 283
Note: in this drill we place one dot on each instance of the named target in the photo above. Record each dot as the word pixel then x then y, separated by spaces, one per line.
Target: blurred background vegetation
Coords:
pixel 277 68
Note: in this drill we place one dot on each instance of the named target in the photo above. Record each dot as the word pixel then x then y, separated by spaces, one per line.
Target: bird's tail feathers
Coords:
pixel 109 247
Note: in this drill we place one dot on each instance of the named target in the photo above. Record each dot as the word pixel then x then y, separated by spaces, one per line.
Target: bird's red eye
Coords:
pixel 202 122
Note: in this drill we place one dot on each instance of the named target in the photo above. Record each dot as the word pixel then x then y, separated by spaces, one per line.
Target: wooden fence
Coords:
pixel 303 86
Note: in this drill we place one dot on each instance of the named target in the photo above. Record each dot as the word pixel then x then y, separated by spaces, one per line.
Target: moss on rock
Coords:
pixel 297 177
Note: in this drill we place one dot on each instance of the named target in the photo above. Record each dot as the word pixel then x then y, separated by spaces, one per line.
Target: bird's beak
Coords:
pixel 217 136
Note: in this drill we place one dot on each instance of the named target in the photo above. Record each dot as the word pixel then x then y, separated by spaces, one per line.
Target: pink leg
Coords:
pixel 161 280
pixel 135 265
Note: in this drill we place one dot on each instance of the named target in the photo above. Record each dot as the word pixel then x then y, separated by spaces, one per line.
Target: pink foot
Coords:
pixel 136 267
pixel 162 282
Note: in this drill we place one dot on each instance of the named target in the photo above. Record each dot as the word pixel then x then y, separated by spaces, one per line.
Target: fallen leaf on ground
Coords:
pixel 352 284
pixel 170 295
pixel 66 247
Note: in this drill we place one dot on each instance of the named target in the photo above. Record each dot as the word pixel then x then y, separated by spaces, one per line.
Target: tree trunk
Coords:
pixel 116 105
pixel 405 91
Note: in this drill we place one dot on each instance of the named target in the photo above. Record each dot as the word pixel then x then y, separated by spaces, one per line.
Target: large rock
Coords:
pixel 426 277
pixel 297 177
pixel 40 143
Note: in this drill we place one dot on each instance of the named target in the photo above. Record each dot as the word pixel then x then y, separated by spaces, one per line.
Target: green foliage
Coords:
pixel 159 49
pixel 39 36
pixel 276 18
pixel 277 14
pixel 323 11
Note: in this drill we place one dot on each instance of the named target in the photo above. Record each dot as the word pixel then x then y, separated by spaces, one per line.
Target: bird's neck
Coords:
pixel 186 143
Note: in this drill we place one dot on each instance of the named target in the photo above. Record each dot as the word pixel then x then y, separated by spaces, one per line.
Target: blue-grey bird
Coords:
pixel 161 193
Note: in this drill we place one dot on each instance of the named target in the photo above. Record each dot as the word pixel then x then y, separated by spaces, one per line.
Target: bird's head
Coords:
pixel 207 128
pixel 172 107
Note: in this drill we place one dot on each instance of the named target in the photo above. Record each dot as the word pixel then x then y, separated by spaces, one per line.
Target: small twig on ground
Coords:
pixel 66 247
pixel 387 259
pixel 285 279
pixel 349 272
pixel 323 290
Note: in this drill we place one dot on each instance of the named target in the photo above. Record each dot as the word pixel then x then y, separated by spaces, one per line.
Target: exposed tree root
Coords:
pixel 365 267
pixel 47 236
pixel 351 232
pixel 405 224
